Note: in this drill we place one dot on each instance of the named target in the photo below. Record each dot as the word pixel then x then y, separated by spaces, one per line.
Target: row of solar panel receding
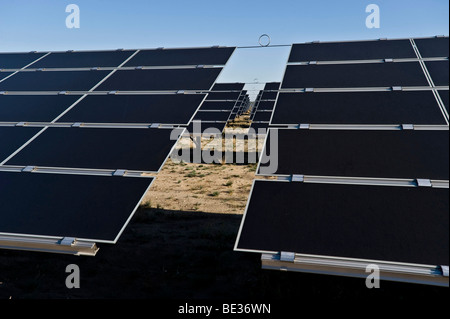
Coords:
pixel 380 154
pixel 408 107
pixel 372 223
pixel 76 152
pixel 358 50
pixel 370 50
pixel 107 202
pixel 296 76
pixel 165 57
pixel 330 217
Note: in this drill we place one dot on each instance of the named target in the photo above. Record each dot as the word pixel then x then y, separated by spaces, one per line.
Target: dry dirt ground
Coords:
pixel 179 246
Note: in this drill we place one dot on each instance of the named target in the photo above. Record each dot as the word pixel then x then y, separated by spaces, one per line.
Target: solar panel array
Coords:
pixel 83 135
pixel 220 106
pixel 359 144
pixel 264 105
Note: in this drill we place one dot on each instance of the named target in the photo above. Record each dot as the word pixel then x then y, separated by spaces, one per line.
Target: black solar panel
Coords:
pixel 33 108
pixel 157 79
pixel 406 154
pixel 354 75
pixel 444 97
pixel 212 116
pixel 409 107
pixel 228 87
pixel 202 126
pixel 4 75
pixel 272 86
pixel 17 60
pixel 83 207
pixel 11 138
pixel 84 175
pixel 400 224
pixel 269 95
pixel 169 57
pixel 218 105
pixel 83 59
pixel 358 50
pixel 259 126
pixel 53 81
pixel 106 148
pixel 433 47
pixel 171 109
pixel 262 116
pixel 223 96
pixel 266 105
pixel 439 72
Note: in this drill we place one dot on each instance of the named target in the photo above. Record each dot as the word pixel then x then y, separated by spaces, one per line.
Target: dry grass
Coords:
pixel 211 188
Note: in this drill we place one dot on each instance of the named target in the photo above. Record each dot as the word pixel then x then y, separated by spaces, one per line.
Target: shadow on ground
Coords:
pixel 181 255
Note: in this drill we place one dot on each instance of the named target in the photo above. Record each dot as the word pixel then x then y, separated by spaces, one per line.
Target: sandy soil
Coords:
pixel 212 188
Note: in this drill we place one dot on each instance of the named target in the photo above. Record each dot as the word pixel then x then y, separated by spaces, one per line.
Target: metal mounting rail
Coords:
pixel 391 271
pixel 63 245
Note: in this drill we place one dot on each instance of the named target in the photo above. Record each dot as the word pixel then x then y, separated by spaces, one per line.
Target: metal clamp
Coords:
pixel 297 178
pixel 28 169
pixel 67 241
pixel 407 126
pixel 422 182
pixel 444 270
pixel 119 172
pixel 287 256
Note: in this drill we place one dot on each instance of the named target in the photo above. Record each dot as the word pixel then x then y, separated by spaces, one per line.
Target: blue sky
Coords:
pixel 110 24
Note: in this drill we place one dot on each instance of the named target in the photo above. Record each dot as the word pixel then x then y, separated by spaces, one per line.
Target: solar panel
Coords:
pixel 223 96
pixel 381 223
pixel 201 126
pixel 83 59
pixel 365 143
pixel 212 116
pixel 222 105
pixel 3 75
pixel 262 116
pixel 17 60
pixel 266 105
pixel 93 148
pixel 272 86
pixel 406 154
pixel 259 126
pixel 439 72
pixel 384 107
pixel 354 75
pixel 11 138
pixel 80 206
pixel 433 47
pixel 194 56
pixel 160 79
pixel 170 109
pixel 444 96
pixel 53 80
pixel 357 50
pixel 228 87
pixel 83 167
pixel 33 108
pixel 269 95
